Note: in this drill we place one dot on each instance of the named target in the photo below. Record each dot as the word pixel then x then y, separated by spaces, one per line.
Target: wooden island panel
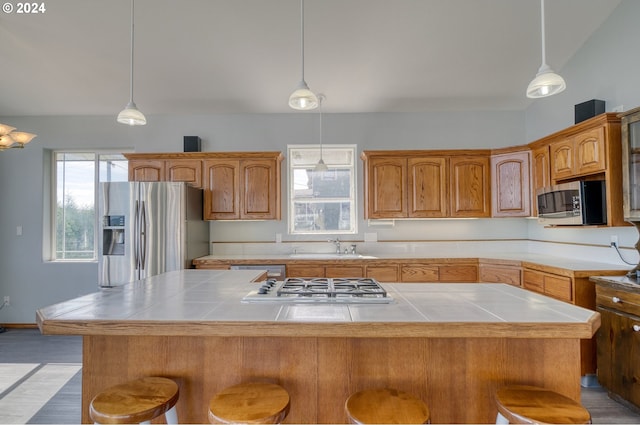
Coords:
pixel 456 377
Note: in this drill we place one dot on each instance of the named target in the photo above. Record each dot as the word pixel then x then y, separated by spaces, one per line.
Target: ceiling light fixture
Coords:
pixel 130 114
pixel 547 82
pixel 302 98
pixel 321 166
pixel 10 139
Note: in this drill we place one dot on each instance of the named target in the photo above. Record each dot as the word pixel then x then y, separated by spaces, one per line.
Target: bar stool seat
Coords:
pixel 386 406
pixel 253 402
pixel 137 401
pixel 524 404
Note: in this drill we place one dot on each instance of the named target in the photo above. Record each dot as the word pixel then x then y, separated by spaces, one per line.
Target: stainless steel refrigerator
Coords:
pixel 148 228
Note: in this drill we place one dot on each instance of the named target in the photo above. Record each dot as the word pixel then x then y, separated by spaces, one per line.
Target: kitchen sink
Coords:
pixel 330 256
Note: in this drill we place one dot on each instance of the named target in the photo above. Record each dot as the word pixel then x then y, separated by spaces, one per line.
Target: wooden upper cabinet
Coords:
pixel 578 155
pixel 184 170
pixel 146 170
pixel 221 197
pixel 428 187
pixel 386 186
pixel 236 185
pixel 426 184
pixel 242 188
pixel 510 185
pixel 562 159
pixel 541 173
pixel 470 186
pixel 260 188
pixel 590 151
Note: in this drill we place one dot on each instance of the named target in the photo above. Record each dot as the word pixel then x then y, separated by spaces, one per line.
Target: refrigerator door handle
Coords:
pixel 143 236
pixel 136 236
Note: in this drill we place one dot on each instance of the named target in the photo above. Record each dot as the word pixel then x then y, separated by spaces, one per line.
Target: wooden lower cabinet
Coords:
pixel 343 271
pixel 556 286
pixel 417 272
pixel 304 270
pixel 382 273
pixel 618 342
pixel 499 273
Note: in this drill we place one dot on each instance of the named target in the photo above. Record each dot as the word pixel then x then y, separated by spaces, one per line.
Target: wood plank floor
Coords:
pixel 40 382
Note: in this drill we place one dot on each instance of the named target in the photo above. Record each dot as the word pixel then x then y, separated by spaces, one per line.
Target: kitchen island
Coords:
pixel 449 344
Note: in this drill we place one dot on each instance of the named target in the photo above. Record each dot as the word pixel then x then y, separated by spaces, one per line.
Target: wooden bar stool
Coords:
pixel 386 406
pixel 253 403
pixel 137 401
pixel 523 404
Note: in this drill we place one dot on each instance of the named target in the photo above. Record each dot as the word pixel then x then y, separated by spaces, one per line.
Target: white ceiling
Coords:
pixel 243 56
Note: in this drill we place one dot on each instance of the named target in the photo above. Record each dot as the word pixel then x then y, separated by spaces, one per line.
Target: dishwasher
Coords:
pixel 274 271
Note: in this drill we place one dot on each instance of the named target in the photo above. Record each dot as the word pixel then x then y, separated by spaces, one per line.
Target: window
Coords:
pixel 322 202
pixel 74 223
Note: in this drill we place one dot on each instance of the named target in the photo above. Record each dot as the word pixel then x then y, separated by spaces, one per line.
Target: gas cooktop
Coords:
pixel 320 290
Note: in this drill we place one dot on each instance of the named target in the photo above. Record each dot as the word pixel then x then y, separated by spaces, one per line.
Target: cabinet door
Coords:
pixel 559 287
pixel 343 271
pixel 222 193
pixel 419 273
pixel 259 186
pixel 541 172
pixel 301 270
pixel 184 170
pixel 533 280
pixel 510 188
pixel 590 151
pixel 470 186
pixel 148 170
pixel 387 188
pixel 495 273
pixel 619 355
pixel 427 187
pixel 458 273
pixel 562 159
pixel 383 273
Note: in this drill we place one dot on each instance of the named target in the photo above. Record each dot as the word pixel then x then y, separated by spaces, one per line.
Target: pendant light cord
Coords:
pixel 131 71
pixel 302 36
pixel 544 53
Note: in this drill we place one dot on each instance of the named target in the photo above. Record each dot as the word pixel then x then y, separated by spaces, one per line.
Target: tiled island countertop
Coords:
pixel 450 344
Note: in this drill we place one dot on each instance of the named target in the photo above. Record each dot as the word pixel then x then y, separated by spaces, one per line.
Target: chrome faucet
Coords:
pixel 336 241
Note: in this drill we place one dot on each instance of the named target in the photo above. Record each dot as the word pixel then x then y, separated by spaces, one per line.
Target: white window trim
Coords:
pixel 352 192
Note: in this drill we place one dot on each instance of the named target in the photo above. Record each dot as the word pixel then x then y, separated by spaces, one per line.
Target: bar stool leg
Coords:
pixel 501 419
pixel 171 416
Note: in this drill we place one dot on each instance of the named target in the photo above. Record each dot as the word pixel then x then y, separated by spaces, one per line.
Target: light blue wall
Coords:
pixel 603 68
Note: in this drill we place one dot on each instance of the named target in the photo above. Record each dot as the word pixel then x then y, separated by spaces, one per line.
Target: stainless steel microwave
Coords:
pixel 573 203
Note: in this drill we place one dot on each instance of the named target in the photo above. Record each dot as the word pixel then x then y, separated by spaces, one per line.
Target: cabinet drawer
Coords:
pixel 419 273
pixel 533 280
pixel 343 271
pixel 305 271
pixel 559 287
pixel 501 274
pixel 383 273
pixel 458 273
pixel 626 302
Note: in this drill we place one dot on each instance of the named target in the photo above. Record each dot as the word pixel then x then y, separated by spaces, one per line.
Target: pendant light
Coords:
pixel 547 82
pixel 321 166
pixel 130 114
pixel 302 98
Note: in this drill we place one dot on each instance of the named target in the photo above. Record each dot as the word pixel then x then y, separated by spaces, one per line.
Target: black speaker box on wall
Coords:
pixel 588 109
pixel 192 144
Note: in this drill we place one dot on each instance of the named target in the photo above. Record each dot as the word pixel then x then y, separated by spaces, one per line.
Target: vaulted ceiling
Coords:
pixel 243 56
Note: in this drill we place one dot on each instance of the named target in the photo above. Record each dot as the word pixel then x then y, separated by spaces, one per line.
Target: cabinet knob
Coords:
pixel 616 300
pixel 636 328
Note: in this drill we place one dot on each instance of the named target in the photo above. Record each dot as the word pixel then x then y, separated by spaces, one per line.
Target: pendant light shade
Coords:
pixel 321 166
pixel 130 115
pixel 302 99
pixel 547 82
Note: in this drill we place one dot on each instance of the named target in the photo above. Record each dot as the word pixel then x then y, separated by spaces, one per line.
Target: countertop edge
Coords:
pixel 518 330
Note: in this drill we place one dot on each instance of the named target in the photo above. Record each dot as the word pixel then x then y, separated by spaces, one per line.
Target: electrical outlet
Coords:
pixel 7 300
pixel 614 240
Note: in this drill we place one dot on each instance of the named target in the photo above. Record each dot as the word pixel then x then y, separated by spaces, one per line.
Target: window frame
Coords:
pixel 51 238
pixel 314 150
